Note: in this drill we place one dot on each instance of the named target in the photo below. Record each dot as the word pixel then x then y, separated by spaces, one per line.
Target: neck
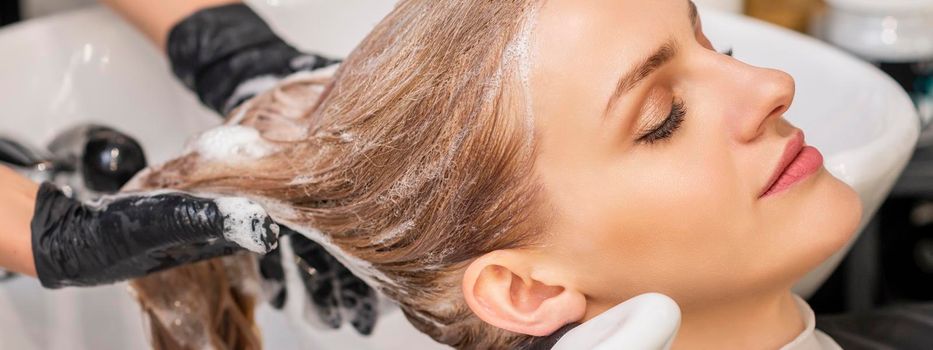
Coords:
pixel 761 322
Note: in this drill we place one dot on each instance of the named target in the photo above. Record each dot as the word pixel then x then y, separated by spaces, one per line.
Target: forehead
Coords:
pixel 581 48
pixel 596 21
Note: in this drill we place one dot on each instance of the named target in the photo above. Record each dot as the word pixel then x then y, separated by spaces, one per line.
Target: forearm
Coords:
pixel 17 202
pixel 156 18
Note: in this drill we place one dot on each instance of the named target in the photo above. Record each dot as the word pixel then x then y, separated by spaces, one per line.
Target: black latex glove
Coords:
pixel 224 53
pixel 122 237
pixel 328 285
pixel 87 160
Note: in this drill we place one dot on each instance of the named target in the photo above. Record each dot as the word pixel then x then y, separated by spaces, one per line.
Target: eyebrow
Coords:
pixel 664 54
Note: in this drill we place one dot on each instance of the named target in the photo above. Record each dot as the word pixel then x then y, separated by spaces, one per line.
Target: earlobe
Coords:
pixel 502 291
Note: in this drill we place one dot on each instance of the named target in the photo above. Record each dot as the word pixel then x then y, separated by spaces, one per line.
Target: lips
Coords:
pixel 796 164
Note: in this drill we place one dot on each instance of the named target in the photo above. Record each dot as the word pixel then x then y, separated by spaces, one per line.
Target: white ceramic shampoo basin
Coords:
pixel 91 66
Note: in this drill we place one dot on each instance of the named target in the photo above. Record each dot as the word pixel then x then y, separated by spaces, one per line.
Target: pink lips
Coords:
pixel 798 162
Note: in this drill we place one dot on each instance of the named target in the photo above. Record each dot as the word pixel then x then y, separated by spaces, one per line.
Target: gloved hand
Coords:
pixel 121 237
pixel 646 322
pixel 87 161
pixel 330 290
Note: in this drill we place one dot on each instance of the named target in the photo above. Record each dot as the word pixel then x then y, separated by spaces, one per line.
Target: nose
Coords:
pixel 766 95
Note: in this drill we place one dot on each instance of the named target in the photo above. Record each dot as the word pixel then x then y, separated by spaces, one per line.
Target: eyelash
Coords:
pixel 666 128
pixel 670 125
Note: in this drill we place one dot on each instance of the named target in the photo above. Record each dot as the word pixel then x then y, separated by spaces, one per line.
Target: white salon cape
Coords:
pixel 650 322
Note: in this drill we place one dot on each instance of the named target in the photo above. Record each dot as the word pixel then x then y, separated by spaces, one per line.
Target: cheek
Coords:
pixel 674 207
pixel 662 223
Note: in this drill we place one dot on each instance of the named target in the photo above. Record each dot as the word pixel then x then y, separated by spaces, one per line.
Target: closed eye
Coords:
pixel 666 128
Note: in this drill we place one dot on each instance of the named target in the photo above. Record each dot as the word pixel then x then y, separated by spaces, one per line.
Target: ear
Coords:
pixel 505 290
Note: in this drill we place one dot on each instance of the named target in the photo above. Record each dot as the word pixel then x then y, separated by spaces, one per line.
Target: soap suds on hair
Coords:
pixel 243 224
pixel 518 54
pixel 250 88
pixel 518 50
pixel 285 215
pixel 302 179
pixel 231 143
pixel 394 233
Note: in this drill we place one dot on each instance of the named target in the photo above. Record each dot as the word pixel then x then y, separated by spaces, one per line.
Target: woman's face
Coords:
pixel 656 149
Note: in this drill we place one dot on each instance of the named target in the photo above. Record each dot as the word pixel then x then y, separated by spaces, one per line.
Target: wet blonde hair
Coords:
pixel 415 159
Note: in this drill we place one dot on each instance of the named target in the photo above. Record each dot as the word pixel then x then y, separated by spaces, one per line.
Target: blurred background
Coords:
pixel 893 260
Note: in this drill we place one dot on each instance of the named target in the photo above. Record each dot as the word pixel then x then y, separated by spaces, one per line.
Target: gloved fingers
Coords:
pixel 169 219
pixel 360 299
pixel 273 275
pixel 317 271
pixel 334 294
pixel 247 224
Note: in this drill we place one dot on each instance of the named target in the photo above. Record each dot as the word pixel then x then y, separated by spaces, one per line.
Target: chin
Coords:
pixel 826 215
pixel 840 215
pixel 847 211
